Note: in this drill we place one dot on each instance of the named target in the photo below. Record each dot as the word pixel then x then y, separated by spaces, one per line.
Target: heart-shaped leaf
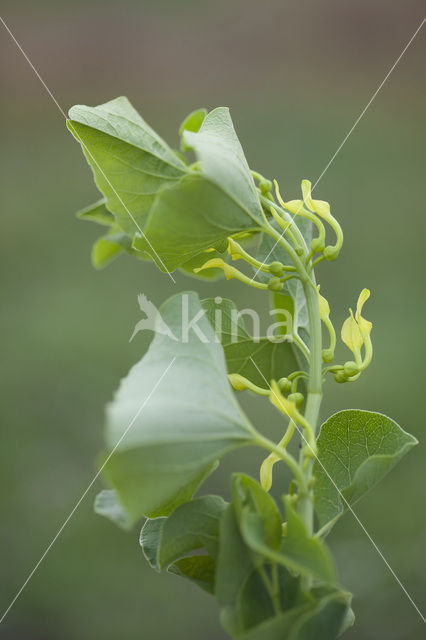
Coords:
pixel 174 415
pixel 355 450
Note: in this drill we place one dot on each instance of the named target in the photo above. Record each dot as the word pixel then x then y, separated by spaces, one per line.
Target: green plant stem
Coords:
pixel 314 396
pixel 272 588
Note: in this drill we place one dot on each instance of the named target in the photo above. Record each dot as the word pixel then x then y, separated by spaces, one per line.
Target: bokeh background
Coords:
pixel 296 76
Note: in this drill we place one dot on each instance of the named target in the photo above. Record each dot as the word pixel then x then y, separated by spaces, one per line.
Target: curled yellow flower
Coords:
pixel 319 207
pixel 218 263
pixel 356 333
pixel 231 272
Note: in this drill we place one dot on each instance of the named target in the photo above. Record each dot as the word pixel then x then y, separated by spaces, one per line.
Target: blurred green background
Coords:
pixel 296 76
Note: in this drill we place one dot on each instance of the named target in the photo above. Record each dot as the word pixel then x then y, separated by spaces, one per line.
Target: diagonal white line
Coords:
pixel 84 494
pixel 85 148
pixel 347 504
pixel 345 139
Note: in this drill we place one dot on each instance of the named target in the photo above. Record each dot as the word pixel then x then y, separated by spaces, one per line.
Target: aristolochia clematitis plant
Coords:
pixel 266 563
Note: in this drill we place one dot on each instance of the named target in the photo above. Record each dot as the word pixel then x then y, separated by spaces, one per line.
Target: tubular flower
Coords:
pixel 356 334
pixel 324 309
pixel 231 272
pixel 240 383
pixel 322 209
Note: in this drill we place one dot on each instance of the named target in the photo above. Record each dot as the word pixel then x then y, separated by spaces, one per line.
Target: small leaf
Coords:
pixel 198 569
pixel 193 123
pixel 130 162
pixel 249 497
pixel 166 438
pixel 97 212
pixel 193 525
pixel 107 504
pixel 296 551
pixel 222 161
pixel 317 620
pixel 105 250
pixel 273 360
pixel 356 449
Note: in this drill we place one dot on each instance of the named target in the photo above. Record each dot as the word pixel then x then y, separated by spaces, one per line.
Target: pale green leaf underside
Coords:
pixel 179 429
pixel 199 569
pixel 356 449
pixel 189 218
pixel 130 162
pixel 222 160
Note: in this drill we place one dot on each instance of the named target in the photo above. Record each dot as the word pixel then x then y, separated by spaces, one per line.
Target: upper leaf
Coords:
pixel 256 358
pixel 222 160
pixel 166 439
pixel 356 449
pixel 130 162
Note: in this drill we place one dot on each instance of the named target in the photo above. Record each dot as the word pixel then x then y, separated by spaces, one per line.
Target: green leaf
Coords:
pixel 250 498
pixel 273 360
pixel 320 620
pixel 254 604
pixel 130 162
pixel 97 212
pixel 165 433
pixel 108 505
pixel 189 218
pixel 150 539
pixel 199 569
pixel 193 525
pixel 234 568
pixel 297 551
pixel 222 161
pixel 356 449
pixel 193 123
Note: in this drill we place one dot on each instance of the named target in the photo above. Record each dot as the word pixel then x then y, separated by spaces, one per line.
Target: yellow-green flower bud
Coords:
pixel 317 245
pixel 297 398
pixel 275 284
pixel 340 377
pixel 327 355
pixel 276 268
pixel 350 368
pixel 284 385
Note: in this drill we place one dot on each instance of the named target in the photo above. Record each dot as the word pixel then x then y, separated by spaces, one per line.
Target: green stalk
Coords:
pixel 314 396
